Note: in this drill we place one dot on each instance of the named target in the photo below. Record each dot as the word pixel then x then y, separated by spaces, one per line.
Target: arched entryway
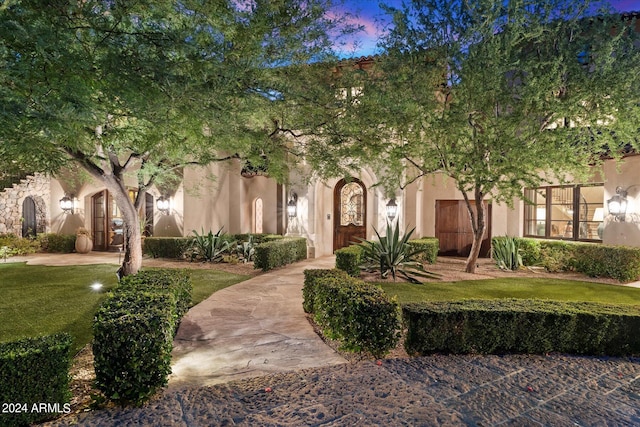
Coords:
pixel 29 218
pixel 349 212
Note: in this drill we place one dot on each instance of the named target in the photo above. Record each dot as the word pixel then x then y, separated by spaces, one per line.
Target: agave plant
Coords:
pixel 506 253
pixel 246 250
pixel 392 254
pixel 210 247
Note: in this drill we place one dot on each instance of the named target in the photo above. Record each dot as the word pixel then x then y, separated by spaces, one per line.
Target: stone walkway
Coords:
pixel 256 327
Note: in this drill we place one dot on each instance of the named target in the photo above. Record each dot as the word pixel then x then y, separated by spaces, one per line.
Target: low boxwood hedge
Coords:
pixel 521 326
pixel 279 252
pixel 35 372
pixel 309 288
pixel 58 243
pixel 361 315
pixel 167 247
pixel 133 334
pixel 349 259
pixel 429 247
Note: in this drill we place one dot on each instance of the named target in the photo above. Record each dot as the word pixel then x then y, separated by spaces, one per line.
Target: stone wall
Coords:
pixel 11 199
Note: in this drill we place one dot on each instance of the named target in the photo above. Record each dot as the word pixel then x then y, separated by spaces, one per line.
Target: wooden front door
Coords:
pixel 349 212
pixel 453 228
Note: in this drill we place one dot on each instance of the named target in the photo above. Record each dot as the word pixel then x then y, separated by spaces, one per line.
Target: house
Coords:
pixel 332 213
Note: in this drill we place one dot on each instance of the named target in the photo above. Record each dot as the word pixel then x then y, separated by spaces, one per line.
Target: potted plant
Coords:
pixel 84 244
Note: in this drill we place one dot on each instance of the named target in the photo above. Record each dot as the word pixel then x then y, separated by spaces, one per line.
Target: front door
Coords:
pixel 349 212
pixel 453 228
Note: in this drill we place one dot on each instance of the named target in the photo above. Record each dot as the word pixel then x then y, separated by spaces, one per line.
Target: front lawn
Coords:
pixel 39 300
pixel 525 288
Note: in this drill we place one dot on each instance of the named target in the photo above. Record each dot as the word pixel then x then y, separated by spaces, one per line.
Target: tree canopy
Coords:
pixel 496 95
pixel 143 88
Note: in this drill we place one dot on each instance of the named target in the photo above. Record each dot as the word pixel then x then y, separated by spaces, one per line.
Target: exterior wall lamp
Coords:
pixel 162 203
pixel 292 205
pixel 617 204
pixel 66 204
pixel 392 209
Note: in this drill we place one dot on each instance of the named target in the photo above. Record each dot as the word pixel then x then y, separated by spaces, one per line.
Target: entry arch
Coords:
pixel 349 212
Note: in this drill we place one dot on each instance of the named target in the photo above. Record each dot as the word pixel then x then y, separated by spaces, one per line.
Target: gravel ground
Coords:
pixel 514 390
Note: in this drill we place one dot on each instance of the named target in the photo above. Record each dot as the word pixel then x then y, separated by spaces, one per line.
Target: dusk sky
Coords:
pixel 371 17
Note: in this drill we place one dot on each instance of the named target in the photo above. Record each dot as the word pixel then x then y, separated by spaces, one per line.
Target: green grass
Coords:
pixel 39 300
pixel 530 288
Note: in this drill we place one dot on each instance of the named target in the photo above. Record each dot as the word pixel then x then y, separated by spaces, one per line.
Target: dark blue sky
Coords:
pixel 371 18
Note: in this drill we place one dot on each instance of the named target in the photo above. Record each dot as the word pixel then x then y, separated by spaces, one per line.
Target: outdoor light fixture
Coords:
pixel 66 204
pixel 292 205
pixel 617 204
pixel 392 209
pixel 163 205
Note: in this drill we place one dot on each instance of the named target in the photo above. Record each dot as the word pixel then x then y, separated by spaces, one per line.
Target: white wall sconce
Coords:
pixel 67 205
pixel 163 205
pixel 617 204
pixel 392 209
pixel 292 205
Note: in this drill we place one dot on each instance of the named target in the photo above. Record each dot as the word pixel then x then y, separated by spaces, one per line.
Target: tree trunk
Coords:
pixel 132 261
pixel 478 225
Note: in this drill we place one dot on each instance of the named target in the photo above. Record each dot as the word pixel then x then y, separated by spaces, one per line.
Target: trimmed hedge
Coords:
pixel 176 283
pixel 166 247
pixel 429 247
pixel 349 259
pixel 309 288
pixel 176 247
pixel 521 326
pixel 617 262
pixel 361 315
pixel 35 371
pixel 133 334
pixel 279 252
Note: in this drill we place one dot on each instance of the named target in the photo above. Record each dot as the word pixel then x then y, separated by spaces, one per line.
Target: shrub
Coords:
pixel 521 326
pixel 34 371
pixel 133 339
pixel 280 252
pixel 618 262
pixel 167 247
pixel 392 254
pixel 257 238
pixel 18 245
pixel 505 251
pixel 133 334
pixel 361 315
pixel 309 289
pixel 59 243
pixel 163 281
pixel 557 256
pixel 530 251
pixel 426 249
pixel 349 259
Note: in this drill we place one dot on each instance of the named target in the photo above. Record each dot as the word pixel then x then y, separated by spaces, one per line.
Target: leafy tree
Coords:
pixel 138 89
pixel 495 95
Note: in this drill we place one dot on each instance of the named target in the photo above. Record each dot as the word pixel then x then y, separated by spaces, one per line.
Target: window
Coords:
pixel 565 212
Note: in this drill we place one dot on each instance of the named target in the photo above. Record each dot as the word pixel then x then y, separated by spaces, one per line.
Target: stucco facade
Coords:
pixel 218 196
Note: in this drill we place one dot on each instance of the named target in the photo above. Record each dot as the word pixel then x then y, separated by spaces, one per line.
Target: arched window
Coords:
pixel 257 216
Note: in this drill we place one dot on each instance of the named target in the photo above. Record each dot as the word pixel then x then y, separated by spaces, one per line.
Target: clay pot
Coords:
pixel 83 244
